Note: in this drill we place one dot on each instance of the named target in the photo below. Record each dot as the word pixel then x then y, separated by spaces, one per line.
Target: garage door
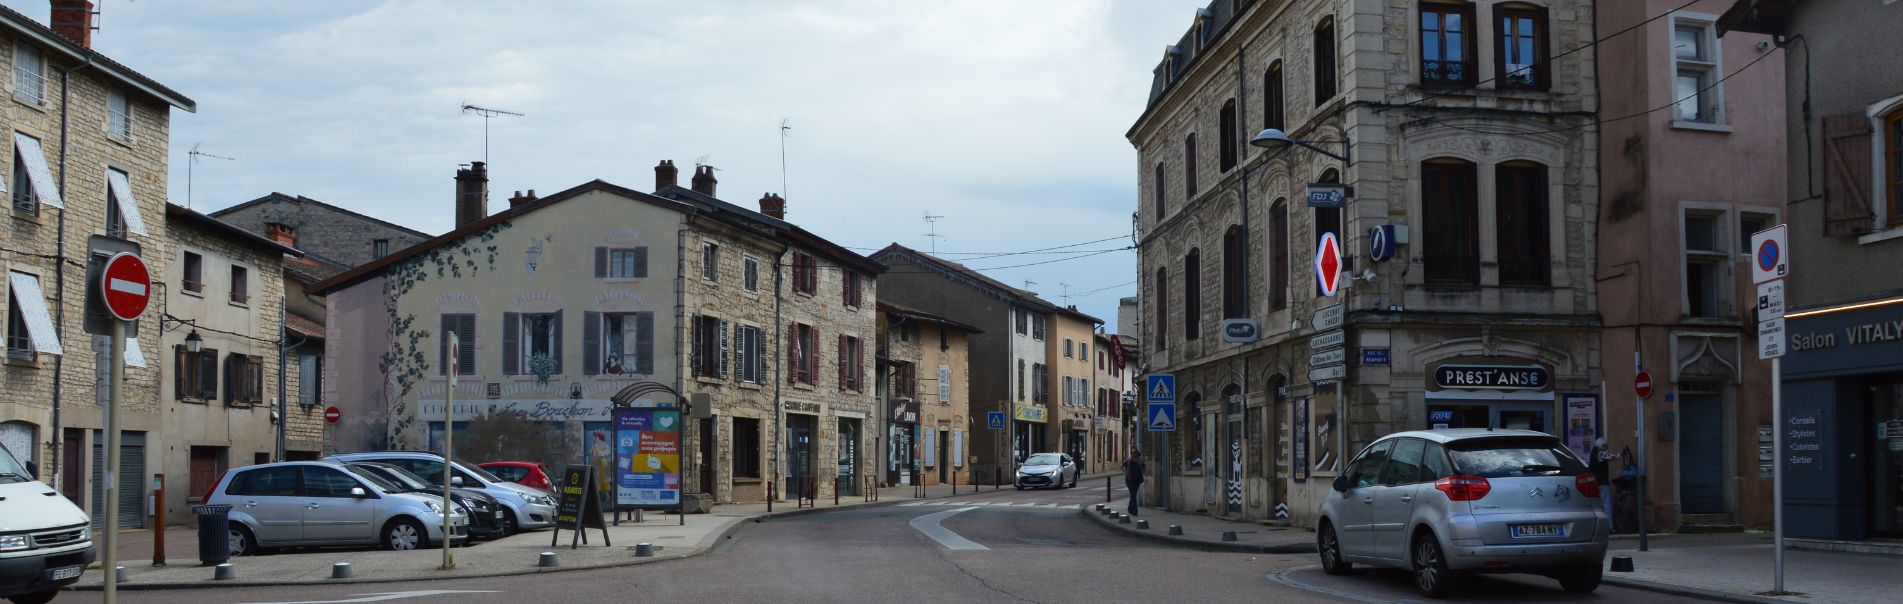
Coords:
pixel 131 479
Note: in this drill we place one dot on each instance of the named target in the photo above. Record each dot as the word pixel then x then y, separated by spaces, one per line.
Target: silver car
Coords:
pixel 1047 470
pixel 1441 503
pixel 314 503
pixel 523 508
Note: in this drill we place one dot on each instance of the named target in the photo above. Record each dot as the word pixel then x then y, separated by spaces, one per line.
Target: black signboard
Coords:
pixel 579 507
pixel 1804 440
pixel 1492 377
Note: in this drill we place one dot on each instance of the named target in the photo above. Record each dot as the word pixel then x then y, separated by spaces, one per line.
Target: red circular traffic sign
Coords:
pixel 1643 384
pixel 126 286
pixel 333 415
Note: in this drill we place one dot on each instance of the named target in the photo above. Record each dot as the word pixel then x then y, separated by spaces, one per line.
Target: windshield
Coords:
pixel 399 476
pixel 1044 459
pixel 374 479
pixel 10 469
pixel 1514 457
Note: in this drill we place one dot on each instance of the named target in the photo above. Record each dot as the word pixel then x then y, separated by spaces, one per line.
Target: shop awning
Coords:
pixel 39 322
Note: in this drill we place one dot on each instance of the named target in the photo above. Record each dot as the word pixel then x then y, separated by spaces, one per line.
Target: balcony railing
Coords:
pixel 1447 73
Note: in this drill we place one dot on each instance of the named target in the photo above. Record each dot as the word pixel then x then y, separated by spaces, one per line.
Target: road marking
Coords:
pixel 912 504
pixel 929 525
pixel 397 595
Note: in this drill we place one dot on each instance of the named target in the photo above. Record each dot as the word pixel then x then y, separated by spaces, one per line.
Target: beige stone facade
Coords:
pixel 925 391
pixel 1068 349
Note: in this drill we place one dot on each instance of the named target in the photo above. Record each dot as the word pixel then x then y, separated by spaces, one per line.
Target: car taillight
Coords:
pixel 1586 484
pixel 1463 488
pixel 214 487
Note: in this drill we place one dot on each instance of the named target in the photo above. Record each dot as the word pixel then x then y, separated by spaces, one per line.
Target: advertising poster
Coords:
pixel 1298 448
pixel 1327 438
pixel 647 457
pixel 1582 423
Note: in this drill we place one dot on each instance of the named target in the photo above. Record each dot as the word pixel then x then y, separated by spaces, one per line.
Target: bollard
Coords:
pixel 769 496
pixel 119 572
pixel 1099 507
pixel 547 560
pixel 1106 490
pixel 644 550
pixel 835 491
pixel 1123 519
pixel 1143 524
pixel 224 572
pixel 1228 535
pixel 1622 564
pixel 1176 529
pixel 340 570
pixel 997 477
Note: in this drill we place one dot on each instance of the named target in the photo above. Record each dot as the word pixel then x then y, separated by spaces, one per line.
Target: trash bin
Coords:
pixel 214 545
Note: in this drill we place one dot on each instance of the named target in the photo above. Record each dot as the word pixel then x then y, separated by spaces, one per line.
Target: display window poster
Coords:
pixel 1582 423
pixel 1325 444
pixel 1298 447
pixel 647 457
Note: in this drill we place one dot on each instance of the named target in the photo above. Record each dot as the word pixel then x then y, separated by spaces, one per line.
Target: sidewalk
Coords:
pixel 1205 532
pixel 1739 567
pixel 513 555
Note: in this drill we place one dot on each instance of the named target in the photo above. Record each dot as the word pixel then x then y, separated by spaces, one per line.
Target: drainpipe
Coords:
pixel 59 270
pixel 779 369
pixel 680 331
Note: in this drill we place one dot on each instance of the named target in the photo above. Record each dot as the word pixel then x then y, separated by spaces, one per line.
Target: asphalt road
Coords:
pixel 1039 549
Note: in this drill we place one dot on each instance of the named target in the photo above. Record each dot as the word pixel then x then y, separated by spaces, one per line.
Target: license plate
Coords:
pixel 63 573
pixel 1538 530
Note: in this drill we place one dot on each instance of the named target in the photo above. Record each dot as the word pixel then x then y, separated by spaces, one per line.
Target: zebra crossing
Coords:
pixel 993 504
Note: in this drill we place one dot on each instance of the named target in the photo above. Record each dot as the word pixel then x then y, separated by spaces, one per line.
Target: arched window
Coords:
pixel 1450 219
pixel 1447 44
pixel 1278 255
pixel 1328 220
pixel 1189 166
pixel 1161 194
pixel 1162 294
pixel 1192 293
pixel 1235 288
pixel 1325 80
pixel 1227 155
pixel 1519 57
pixel 1272 107
pixel 1520 219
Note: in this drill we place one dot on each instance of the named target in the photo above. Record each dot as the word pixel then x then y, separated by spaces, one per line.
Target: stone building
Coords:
pixel 103 174
pixel 1439 124
pixel 925 396
pixel 1110 382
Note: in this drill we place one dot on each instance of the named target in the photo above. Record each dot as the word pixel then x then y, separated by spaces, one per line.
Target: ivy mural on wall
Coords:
pixel 407 362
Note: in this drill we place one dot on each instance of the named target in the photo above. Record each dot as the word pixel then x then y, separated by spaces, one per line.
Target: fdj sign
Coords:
pixel 1492 377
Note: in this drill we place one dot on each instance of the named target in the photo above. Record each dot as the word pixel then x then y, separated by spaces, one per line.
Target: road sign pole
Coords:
pixel 1777 472
pixel 116 361
pixel 449 444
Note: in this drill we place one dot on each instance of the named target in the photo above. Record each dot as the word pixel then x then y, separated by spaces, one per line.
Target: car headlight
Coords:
pixel 433 506
pixel 15 542
pixel 541 500
pixel 85 533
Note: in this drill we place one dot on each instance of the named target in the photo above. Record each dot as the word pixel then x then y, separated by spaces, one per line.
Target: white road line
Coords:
pixel 387 596
pixel 912 504
pixel 929 525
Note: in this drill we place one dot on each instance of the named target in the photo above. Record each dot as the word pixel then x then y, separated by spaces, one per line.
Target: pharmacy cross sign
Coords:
pixel 1328 264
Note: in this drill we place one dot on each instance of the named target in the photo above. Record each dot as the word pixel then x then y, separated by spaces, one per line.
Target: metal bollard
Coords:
pixel 547 560
pixel 1143 524
pixel 1622 564
pixel 119 572
pixel 1228 535
pixel 1123 519
pixel 644 550
pixel 1106 490
pixel 340 570
pixel 224 572
pixel 1176 529
pixel 835 491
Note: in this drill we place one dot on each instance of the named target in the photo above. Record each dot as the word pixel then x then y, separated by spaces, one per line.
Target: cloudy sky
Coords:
pixel 1004 117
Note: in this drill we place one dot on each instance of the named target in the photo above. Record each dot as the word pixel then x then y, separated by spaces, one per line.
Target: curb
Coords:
pixel 1303 547
pixel 1689 592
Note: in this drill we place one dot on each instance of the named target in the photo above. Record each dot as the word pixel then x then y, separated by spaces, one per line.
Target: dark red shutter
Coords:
pixel 1847 211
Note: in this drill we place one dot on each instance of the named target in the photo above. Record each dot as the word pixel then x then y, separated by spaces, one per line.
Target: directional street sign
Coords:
pixel 1328 264
pixel 1160 388
pixel 1331 357
pixel 1328 317
pixel 1770 258
pixel 1162 417
pixel 1326 340
pixel 1327 374
pixel 994 420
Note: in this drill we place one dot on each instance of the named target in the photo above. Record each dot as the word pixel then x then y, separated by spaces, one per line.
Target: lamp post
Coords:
pixel 1276 140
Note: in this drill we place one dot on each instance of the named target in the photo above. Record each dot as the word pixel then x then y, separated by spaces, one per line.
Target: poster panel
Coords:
pixel 647 457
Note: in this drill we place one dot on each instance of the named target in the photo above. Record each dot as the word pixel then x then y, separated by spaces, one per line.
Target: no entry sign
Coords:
pixel 1642 384
pixel 125 286
pixel 333 415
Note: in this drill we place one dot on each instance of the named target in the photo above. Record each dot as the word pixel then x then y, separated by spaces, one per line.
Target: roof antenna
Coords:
pixel 931 222
pixel 786 126
pixel 486 113
pixel 194 154
pixel 1027 285
pixel 1066 294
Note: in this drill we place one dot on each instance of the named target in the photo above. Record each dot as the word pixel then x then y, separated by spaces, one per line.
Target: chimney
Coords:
pixel 472 193
pixel 704 180
pixel 520 200
pixel 773 205
pixel 281 233
pixel 666 175
pixel 74 20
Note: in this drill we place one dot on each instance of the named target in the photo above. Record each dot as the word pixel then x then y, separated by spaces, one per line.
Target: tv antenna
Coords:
pixel 192 160
pixel 931 222
pixel 786 127
pixel 1027 285
pixel 486 114
pixel 1066 294
pixel 702 161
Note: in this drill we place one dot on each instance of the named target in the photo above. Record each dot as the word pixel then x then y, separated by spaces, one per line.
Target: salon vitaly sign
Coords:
pixel 1492 377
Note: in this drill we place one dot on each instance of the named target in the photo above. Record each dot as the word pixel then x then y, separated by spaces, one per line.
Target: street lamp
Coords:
pixel 194 343
pixel 1276 140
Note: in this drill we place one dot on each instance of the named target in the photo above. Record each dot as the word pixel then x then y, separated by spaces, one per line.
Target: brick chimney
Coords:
pixel 666 175
pixel 520 200
pixel 281 233
pixel 704 180
pixel 773 205
pixel 74 20
pixel 472 193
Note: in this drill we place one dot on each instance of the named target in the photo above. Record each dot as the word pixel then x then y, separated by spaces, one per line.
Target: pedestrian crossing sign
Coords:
pixel 1160 387
pixel 1162 417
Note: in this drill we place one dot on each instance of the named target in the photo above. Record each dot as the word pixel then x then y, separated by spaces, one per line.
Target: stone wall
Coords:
pixel 727 299
pixel 324 230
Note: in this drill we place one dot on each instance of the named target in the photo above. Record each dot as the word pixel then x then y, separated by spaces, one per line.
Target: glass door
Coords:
pixel 1886 505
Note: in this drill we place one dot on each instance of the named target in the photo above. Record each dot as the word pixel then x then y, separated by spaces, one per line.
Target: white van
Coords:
pixel 44 540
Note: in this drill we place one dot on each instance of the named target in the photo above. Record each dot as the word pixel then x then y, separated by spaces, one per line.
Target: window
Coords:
pixel 1083 351
pixel 852 289
pixel 532 343
pixel 1695 69
pixel 1447 41
pixel 710 347
pixel 320 481
pixel 944 338
pixel 750 274
pixel 805 274
pixel 1226 156
pixel 29 74
pixel 1020 380
pixel 1156 185
pixel 1520 55
pixel 118 115
pixel 746 447
pixel 194 273
pixel 1404 465
pixel 1070 348
pixel 33 182
pixel 195 375
pixel 1040 384
pixel 905 380
pixel 1162 293
pixel 1520 214
pixel 1024 321
pixel 464 326
pixel 1234 274
pixel 1749 223
pixel 310 382
pixel 803 348
pixel 710 261
pixel 851 364
pixel 244 380
pixel 1278 255
pixel 1100 358
pixel 22 185
pixel 1451 221
pixel 750 348
pixel 1189 165
pixel 618 343
pixel 379 248
pixel 621 263
pixel 1325 80
pixel 1366 471
pixel 1037 327
pixel 1273 109
pixel 1706 258
pixel 122 209
pixel 1893 167
pixel 277 481
pixel 1192 294
pixel 240 284
pixel 115 220
pixel 1069 394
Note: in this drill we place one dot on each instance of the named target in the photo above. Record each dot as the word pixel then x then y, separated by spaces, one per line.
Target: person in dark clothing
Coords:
pixel 1133 477
pixel 1602 471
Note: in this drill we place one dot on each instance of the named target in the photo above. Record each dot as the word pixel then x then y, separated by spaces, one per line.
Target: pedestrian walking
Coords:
pixel 1133 477
pixel 1602 472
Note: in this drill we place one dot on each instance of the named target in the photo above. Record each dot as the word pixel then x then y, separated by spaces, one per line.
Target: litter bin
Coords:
pixel 214 545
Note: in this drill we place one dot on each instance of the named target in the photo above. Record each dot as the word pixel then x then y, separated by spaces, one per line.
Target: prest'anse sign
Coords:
pixel 1492 377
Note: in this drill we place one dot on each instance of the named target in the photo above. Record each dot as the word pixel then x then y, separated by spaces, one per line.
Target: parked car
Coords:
pixel 485 515
pixel 315 503
pixel 1047 470
pixel 525 473
pixel 45 540
pixel 1441 503
pixel 523 508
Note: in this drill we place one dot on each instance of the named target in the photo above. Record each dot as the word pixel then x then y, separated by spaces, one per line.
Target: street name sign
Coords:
pixel 1337 356
pixel 1328 317
pixel 1327 374
pixel 1327 339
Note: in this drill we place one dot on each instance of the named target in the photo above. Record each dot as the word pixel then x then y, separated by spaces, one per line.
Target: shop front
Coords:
pixel 1516 397
pixel 1843 423
pixel 901 457
pixel 1027 431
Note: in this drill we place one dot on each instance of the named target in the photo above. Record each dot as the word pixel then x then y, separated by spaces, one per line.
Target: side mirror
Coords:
pixel 358 492
pixel 1341 483
pixel 32 470
pixel 455 481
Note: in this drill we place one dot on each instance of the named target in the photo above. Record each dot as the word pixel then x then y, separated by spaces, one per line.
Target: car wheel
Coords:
pixel 509 525
pixel 1431 575
pixel 38 597
pixel 404 535
pixel 1582 580
pixel 1330 549
pixel 240 541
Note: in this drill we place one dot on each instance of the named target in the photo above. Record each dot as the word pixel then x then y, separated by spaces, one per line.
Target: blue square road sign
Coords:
pixel 994 420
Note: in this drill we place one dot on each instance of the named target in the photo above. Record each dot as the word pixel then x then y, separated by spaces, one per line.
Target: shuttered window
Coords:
pixel 617 344
pixel 1847 196
pixel 710 340
pixel 1520 215
pixel 531 341
pixel 464 326
pixel 1192 294
pixel 1278 255
pixel 1226 156
pixel 1451 219
pixel 621 263
pixel 194 375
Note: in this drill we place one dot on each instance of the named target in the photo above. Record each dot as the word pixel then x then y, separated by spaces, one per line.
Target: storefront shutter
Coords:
pixel 1847 211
